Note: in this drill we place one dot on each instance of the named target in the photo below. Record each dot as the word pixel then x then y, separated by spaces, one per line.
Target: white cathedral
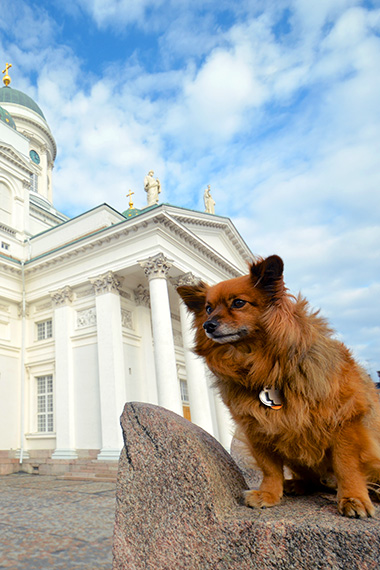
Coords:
pixel 89 314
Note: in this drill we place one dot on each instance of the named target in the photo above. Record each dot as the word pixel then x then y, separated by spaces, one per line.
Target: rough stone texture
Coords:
pixel 178 506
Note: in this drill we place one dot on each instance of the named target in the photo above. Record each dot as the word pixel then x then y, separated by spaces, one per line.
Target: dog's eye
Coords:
pixel 238 303
pixel 209 309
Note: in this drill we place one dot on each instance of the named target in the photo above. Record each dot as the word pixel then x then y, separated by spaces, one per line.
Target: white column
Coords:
pixel 148 383
pixel 226 426
pixel 195 368
pixel 169 395
pixel 64 376
pixel 110 362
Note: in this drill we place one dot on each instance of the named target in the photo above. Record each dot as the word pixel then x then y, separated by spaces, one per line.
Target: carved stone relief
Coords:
pixel 86 318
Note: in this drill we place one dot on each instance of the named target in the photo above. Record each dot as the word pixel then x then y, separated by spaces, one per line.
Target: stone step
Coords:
pixel 105 476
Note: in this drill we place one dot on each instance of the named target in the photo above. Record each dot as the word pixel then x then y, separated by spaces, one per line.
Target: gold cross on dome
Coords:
pixel 130 199
pixel 6 78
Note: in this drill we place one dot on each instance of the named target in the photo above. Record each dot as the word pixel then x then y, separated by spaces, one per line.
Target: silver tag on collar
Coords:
pixel 271 397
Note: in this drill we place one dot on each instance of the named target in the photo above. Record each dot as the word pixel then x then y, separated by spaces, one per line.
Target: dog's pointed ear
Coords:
pixel 194 296
pixel 267 274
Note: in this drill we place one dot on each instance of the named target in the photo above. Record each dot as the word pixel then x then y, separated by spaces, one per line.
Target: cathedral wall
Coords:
pixel 86 397
pixel 10 400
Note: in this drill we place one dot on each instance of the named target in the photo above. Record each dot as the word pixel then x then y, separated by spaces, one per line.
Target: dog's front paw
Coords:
pixel 356 508
pixel 261 499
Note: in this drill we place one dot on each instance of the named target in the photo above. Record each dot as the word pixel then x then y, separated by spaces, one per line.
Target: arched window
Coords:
pixel 5 204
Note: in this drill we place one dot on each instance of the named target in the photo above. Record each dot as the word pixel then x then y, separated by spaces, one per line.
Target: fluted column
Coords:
pixel 110 363
pixel 199 397
pixel 64 376
pixel 156 268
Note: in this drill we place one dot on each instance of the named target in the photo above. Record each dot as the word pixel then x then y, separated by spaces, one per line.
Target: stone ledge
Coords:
pixel 179 507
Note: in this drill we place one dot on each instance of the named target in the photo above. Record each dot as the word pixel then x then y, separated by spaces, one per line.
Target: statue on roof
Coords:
pixel 209 201
pixel 152 187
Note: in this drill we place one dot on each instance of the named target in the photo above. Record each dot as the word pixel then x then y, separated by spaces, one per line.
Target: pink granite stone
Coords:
pixel 179 507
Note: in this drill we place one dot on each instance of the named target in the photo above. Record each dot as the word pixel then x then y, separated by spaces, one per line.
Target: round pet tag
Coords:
pixel 271 397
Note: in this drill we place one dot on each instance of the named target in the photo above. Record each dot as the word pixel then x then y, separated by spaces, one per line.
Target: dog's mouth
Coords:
pixel 230 336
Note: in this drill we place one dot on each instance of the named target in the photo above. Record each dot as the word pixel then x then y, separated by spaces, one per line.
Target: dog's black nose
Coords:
pixel 210 326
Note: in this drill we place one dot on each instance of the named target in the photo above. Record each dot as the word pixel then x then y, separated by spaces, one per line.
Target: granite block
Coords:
pixel 179 506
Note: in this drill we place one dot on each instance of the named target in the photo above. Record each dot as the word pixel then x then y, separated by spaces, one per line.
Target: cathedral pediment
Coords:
pixel 7 152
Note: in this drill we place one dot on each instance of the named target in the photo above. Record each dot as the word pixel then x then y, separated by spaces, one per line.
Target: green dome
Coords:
pixel 131 213
pixel 10 95
pixel 7 118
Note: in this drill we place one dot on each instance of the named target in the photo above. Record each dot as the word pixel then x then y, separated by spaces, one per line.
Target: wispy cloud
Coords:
pixel 275 104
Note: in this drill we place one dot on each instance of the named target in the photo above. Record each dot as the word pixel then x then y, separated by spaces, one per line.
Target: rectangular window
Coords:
pixel 185 400
pixel 45 412
pixel 4 245
pixel 184 392
pixel 45 329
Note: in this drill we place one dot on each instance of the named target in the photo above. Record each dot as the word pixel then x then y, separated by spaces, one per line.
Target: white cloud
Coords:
pixel 276 107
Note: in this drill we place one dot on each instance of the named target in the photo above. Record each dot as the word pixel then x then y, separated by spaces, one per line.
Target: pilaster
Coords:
pixel 110 362
pixel 64 375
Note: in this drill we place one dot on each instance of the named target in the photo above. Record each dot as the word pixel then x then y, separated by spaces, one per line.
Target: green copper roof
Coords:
pixel 10 95
pixel 131 213
pixel 7 118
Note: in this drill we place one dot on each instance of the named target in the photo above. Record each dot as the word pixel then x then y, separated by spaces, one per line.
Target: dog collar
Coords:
pixel 271 397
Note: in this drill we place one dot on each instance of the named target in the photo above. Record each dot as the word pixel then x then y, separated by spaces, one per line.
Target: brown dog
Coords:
pixel 296 393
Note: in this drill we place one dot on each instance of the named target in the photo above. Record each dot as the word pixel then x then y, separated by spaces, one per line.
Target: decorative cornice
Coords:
pixel 7 229
pixel 185 234
pixel 10 268
pixel 216 223
pixel 14 158
pixel 156 266
pixel 43 214
pixel 107 283
pixel 122 229
pixel 62 297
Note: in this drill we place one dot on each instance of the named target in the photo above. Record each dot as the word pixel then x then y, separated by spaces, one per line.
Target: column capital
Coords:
pixel 62 296
pixel 185 279
pixel 156 266
pixel 106 283
pixel 142 296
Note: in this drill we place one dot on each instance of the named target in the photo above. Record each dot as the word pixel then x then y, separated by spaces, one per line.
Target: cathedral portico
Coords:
pixel 104 324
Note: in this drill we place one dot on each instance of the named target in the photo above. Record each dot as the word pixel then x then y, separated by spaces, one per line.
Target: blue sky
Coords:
pixel 275 104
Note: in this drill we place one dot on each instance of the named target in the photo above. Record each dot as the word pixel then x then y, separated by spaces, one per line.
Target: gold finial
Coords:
pixel 130 199
pixel 6 78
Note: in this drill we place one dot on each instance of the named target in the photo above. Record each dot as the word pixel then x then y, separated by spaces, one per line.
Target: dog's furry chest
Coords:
pixel 291 431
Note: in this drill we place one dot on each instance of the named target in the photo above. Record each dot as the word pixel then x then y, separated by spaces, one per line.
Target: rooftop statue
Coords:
pixel 152 187
pixel 209 201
